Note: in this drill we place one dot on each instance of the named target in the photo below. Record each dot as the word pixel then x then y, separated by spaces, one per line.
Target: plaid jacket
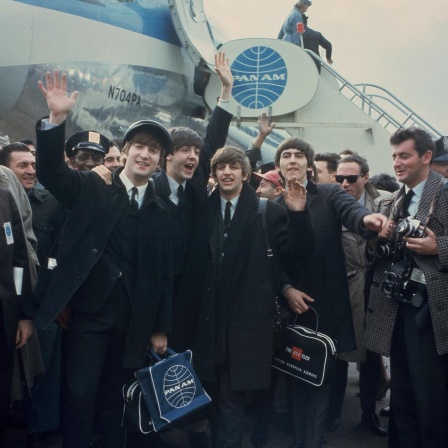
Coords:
pixel 382 312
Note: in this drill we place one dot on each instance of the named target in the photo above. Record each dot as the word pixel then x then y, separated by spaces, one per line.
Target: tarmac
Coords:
pixel 350 434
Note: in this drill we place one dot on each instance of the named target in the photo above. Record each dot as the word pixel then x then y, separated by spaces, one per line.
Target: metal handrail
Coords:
pixel 374 110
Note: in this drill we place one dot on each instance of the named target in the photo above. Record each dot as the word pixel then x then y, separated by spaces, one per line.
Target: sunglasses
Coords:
pixel 351 179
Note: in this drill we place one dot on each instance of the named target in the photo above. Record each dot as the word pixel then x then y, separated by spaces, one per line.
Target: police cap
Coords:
pixel 441 154
pixel 90 140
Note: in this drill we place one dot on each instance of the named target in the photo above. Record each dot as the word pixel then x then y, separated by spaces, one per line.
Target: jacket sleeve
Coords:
pixel 215 138
pixel 62 182
pixel 326 45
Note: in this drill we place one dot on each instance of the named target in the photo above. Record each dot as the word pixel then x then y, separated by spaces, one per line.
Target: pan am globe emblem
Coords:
pixel 179 387
pixel 260 77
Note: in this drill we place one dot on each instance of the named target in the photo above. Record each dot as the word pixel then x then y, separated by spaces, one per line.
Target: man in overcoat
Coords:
pixel 322 279
pixel 408 308
pixel 233 329
pixel 112 266
pixel 15 310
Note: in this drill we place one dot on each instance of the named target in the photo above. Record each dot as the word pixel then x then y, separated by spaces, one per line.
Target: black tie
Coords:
pixel 181 197
pixel 134 203
pixel 405 204
pixel 227 213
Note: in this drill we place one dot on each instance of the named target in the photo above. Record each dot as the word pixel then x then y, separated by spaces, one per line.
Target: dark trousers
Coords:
pixel 310 407
pixel 338 388
pixel 227 412
pixel 369 373
pixel 419 384
pixel 6 373
pixel 95 348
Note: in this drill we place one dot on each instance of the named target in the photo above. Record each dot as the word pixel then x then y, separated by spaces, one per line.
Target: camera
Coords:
pixel 410 227
pixel 384 251
pixel 396 279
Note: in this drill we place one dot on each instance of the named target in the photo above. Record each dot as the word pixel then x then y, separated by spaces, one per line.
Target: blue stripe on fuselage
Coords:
pixel 148 17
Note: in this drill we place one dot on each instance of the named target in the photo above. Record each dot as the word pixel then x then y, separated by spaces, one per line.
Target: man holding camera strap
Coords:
pixel 408 309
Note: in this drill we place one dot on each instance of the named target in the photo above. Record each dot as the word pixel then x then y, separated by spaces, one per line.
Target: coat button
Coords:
pixel 94 251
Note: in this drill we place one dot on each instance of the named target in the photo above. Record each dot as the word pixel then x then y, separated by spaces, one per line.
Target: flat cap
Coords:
pixel 154 128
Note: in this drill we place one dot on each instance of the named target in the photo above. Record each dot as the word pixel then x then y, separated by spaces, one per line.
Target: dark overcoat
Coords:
pixel 246 284
pixel 12 255
pixel 382 311
pixel 94 211
pixel 323 274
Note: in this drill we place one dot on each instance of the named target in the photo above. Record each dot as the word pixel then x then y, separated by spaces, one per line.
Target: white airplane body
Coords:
pixel 140 59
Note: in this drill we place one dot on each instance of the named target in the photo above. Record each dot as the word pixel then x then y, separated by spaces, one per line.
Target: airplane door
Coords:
pixel 193 31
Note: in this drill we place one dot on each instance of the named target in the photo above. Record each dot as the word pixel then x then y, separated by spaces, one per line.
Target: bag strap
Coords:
pixel 318 318
pixel 262 206
pixel 156 356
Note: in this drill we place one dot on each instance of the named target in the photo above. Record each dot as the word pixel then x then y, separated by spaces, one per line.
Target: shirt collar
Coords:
pixel 129 185
pixel 173 184
pixel 233 201
pixel 418 189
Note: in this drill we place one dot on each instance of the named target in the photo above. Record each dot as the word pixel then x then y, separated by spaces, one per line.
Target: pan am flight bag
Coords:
pixel 306 354
pixel 171 389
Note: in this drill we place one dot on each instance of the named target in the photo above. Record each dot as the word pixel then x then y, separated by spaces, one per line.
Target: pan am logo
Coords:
pixel 179 387
pixel 260 77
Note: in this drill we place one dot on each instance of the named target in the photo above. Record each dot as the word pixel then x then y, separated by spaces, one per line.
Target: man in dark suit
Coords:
pixel 312 40
pixel 48 217
pixel 232 305
pixel 316 277
pixel 182 182
pixel 112 266
pixel 15 326
pixel 408 309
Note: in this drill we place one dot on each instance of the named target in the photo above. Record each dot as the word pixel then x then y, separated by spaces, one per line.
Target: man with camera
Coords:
pixel 408 307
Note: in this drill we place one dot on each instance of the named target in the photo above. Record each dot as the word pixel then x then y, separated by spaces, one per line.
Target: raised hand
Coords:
pixel 265 126
pixel 294 195
pixel 55 92
pixel 222 68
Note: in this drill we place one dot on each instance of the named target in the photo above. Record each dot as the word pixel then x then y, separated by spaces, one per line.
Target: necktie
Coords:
pixel 227 213
pixel 134 195
pixel 181 197
pixel 405 204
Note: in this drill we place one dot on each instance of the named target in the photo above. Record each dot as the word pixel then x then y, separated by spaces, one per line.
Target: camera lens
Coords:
pixel 404 228
pixel 383 251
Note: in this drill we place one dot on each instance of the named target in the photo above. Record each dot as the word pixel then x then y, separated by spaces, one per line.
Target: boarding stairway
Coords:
pixel 395 114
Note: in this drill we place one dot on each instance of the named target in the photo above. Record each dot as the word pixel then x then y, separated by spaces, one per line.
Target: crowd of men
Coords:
pixel 138 254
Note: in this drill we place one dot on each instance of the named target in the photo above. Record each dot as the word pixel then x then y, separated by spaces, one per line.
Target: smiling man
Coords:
pixel 408 308
pixel 18 158
pixel 111 267
pixel 231 305
pixel 330 208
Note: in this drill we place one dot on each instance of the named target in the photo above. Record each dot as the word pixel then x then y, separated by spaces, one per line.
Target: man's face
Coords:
pixel 182 164
pixel 86 160
pixel 230 179
pixel 141 161
pixel 410 168
pixel 268 190
pixel 355 189
pixel 24 166
pixel 325 177
pixel 112 159
pixel 440 167
pixel 293 163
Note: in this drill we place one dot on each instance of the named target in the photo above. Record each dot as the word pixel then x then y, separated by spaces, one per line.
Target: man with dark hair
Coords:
pixel 30 145
pixel 347 152
pixel 330 208
pixel 353 176
pixel 326 166
pixel 384 181
pixel 408 307
pixel 312 40
pixel 112 266
pixel 231 325
pixel 112 159
pixel 48 217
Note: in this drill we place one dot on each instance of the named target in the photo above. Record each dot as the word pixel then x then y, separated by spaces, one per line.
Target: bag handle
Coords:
pixel 317 319
pixel 157 357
